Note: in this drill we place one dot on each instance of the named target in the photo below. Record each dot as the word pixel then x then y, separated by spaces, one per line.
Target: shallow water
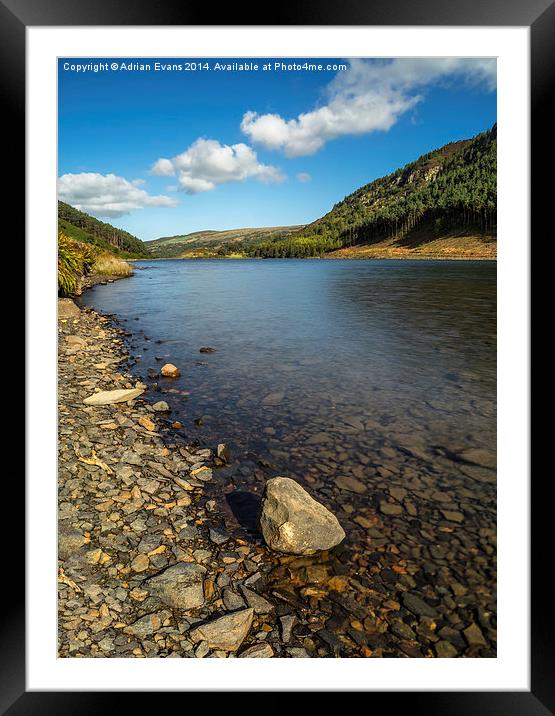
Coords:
pixel 397 351
pixel 382 372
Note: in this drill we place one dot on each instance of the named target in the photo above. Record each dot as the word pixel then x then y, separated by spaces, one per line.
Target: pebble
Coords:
pixel 140 563
pixel 254 600
pixel 351 484
pixel 180 585
pixel 445 650
pixel 169 370
pixel 418 606
pixel 390 508
pixel 453 516
pixel 232 601
pixel 286 625
pixel 258 651
pixel 227 632
pixel 161 406
pixel 474 636
pixel 218 536
pixel 144 626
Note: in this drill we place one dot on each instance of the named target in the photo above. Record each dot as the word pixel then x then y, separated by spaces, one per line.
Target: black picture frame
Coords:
pixel 539 16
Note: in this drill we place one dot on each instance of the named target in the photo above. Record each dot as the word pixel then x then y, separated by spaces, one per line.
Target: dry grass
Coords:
pixel 108 265
pixel 445 247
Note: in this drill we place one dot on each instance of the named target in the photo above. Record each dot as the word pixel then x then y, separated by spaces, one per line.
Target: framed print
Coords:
pixel 278 399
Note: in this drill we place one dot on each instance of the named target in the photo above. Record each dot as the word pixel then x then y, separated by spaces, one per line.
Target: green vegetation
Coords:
pixel 455 185
pixel 77 259
pixel 81 227
pixel 302 247
pixel 216 243
pixel 74 260
pixel 452 189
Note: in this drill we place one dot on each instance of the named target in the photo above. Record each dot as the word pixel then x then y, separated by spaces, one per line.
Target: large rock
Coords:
pixel 180 586
pixel 107 397
pixel 292 521
pixel 227 632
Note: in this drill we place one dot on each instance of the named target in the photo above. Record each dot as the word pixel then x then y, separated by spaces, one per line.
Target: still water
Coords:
pixel 395 353
pixel 373 384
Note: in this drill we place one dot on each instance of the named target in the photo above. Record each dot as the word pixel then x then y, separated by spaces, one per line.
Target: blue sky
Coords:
pixel 161 152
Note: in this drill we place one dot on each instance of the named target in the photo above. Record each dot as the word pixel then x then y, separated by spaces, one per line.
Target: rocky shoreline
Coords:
pixel 152 563
pixel 144 569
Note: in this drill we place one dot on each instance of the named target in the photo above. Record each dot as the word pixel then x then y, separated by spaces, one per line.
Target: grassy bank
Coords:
pixel 77 259
pixel 109 265
pixel 454 245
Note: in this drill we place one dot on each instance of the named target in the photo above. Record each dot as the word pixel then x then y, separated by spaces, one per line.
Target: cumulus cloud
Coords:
pixel 106 194
pixel 207 163
pixel 303 177
pixel 162 168
pixel 369 96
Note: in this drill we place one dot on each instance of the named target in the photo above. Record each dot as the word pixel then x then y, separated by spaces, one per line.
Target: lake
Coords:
pixel 309 346
pixel 380 371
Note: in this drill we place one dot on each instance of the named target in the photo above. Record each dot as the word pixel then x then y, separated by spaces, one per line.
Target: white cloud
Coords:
pixel 369 96
pixel 106 194
pixel 163 168
pixel 207 163
pixel 303 177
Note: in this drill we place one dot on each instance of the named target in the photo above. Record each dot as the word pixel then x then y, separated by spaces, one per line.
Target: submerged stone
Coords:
pixel 161 407
pixel 350 484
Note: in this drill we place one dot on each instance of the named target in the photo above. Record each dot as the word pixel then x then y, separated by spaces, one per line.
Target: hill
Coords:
pixel 443 204
pixel 216 243
pixel 82 227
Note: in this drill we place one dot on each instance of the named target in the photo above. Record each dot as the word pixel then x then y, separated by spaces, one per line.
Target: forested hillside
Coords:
pixel 81 227
pixel 450 191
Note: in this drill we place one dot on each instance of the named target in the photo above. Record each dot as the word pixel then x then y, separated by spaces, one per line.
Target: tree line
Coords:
pixel 119 239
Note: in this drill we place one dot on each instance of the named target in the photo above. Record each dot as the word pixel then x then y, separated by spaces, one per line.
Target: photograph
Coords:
pixel 277 357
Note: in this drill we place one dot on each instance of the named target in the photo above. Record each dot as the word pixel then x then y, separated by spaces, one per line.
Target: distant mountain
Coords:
pixel 444 202
pixel 82 227
pixel 216 243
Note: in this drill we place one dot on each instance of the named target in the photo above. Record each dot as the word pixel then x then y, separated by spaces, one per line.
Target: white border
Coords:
pixel 510 670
